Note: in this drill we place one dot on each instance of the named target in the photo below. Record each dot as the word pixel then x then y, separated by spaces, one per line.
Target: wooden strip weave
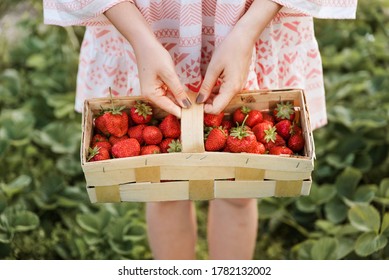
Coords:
pixel 201 190
pixel 108 194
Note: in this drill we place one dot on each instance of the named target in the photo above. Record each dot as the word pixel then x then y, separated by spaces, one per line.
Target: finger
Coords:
pixel 210 79
pixel 221 100
pixel 177 89
pixel 166 104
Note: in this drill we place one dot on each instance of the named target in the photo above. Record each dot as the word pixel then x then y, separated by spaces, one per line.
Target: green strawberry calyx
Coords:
pixel 284 110
pixel 240 131
pixel 143 109
pixel 270 134
pixel 175 146
pixel 92 152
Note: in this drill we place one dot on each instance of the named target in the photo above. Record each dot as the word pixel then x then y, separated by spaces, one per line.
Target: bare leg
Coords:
pixel 172 229
pixel 232 228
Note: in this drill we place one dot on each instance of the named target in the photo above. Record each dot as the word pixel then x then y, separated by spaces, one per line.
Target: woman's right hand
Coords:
pixel 157 76
pixel 158 79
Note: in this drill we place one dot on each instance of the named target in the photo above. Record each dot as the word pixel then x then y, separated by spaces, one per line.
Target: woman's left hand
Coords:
pixel 231 60
pixel 230 63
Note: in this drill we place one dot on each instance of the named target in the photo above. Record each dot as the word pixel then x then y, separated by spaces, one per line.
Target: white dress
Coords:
pixel 286 55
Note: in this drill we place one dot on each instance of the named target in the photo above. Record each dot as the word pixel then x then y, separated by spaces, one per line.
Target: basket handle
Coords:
pixel 192 128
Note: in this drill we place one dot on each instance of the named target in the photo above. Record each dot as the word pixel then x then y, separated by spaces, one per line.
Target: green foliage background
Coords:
pixel 44 209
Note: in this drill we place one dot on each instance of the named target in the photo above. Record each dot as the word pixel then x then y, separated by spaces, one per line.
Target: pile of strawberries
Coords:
pixel 122 133
pixel 246 130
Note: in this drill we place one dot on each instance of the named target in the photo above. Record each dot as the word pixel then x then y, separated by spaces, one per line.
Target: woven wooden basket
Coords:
pixel 195 174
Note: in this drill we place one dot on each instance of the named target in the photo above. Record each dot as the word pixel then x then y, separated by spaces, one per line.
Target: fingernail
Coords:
pixel 200 98
pixel 187 103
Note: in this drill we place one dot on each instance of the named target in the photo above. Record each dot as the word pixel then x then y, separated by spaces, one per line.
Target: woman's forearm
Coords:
pixel 131 24
pixel 257 17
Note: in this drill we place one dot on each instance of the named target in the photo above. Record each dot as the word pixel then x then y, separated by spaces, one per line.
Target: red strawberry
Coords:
pixel 103 144
pixel 275 140
pixel 213 120
pixel 227 124
pixel 152 135
pixel 99 138
pixel 226 149
pixel 268 118
pixel 283 128
pixel 240 114
pixel 174 146
pixel 150 149
pixel 295 129
pixel 136 132
pixel 141 112
pixel 170 145
pixel 296 142
pixel 126 148
pixel 284 111
pixel 98 153
pixel 257 148
pixel 164 145
pixel 113 139
pixel 259 131
pixel 100 125
pixel 115 121
pixel 112 121
pixel 280 150
pixel 216 139
pixel 170 127
pixel 254 117
pixel 240 140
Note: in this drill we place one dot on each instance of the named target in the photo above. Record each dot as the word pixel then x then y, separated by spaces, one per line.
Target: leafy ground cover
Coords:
pixel 44 209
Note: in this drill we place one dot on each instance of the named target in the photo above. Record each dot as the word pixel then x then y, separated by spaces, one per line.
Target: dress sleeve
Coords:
pixel 77 12
pixel 331 9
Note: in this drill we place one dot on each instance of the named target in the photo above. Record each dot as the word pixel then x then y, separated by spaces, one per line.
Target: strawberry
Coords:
pixel 213 120
pixel 98 153
pixel 280 150
pixel 164 145
pixel 284 111
pixel 259 131
pixel 99 138
pixel 295 129
pixel 113 139
pixel 136 132
pixel 296 142
pixel 227 124
pixel 254 117
pixel 126 148
pixel 170 127
pixel 150 149
pixel 174 146
pixel 240 114
pixel 283 128
pixel 152 135
pixel 141 112
pixel 115 121
pixel 240 140
pixel 103 144
pixel 275 140
pixel 99 124
pixel 257 148
pixel 216 139
pixel 268 118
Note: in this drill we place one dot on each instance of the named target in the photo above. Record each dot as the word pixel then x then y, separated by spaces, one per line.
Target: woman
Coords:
pixel 165 50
